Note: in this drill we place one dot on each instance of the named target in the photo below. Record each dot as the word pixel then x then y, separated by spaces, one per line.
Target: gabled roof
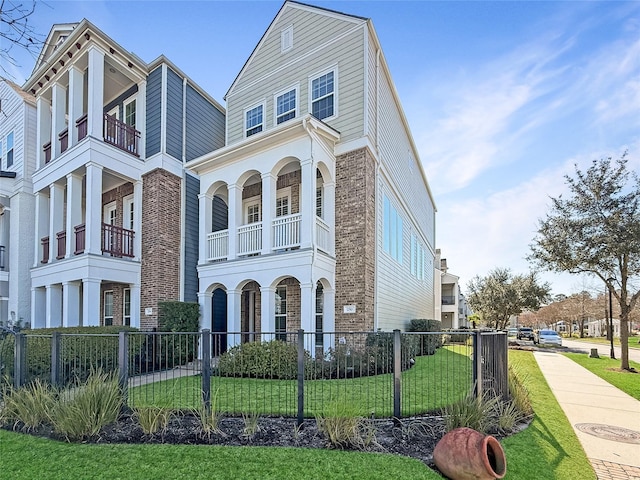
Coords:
pixel 285 6
pixel 27 97
pixel 57 35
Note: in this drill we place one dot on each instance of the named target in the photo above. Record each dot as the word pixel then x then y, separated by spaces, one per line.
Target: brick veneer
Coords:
pixel 160 268
pixel 355 240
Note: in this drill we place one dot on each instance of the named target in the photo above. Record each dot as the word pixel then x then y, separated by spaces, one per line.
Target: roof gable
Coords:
pixel 57 36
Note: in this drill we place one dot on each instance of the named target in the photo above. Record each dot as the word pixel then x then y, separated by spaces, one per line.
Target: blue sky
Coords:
pixel 503 98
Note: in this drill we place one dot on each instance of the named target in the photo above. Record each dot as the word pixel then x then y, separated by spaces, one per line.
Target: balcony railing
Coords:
pixel 323 235
pixel 448 300
pixel 3 249
pixel 218 245
pixel 44 241
pixel 64 140
pixel 250 238
pixel 286 231
pixel 46 148
pixel 61 237
pixel 79 231
pixel 81 125
pixel 121 135
pixel 117 241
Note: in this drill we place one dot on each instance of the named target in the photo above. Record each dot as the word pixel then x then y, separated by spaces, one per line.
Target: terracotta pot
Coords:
pixel 465 454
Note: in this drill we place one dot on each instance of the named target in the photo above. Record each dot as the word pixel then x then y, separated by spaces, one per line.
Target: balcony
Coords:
pixel 121 135
pixel 3 250
pixel 81 125
pixel 79 233
pixel 44 241
pixel 61 237
pixel 117 241
pixel 46 148
pixel 250 239
pixel 218 245
pixel 448 300
pixel 286 232
pixel 64 140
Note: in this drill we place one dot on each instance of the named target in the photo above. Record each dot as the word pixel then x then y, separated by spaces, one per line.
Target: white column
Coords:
pixel 233 316
pixel 135 305
pixel 76 86
pixel 43 128
pixel 141 118
pixel 308 204
pixel 91 302
pixel 42 225
pixel 93 221
pixel 95 92
pixel 38 307
pixel 54 305
pixel 205 299
pixel 268 210
pixel 205 210
pixel 56 218
pixel 235 218
pixel 137 220
pixel 74 210
pixel 58 124
pixel 329 213
pixel 308 315
pixel 329 317
pixel 70 304
pixel 267 312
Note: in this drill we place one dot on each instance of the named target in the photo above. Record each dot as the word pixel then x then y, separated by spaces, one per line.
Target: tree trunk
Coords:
pixel 624 341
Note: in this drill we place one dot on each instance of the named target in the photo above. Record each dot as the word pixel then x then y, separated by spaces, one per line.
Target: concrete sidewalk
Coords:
pixel 605 419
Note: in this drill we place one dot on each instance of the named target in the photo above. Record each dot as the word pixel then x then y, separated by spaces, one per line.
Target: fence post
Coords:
pixel 206 370
pixel 55 359
pixel 123 364
pixel 19 360
pixel 477 363
pixel 300 377
pixel 397 372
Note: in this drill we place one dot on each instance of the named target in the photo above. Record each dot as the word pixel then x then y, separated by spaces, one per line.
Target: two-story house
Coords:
pixel 116 213
pixel 17 163
pixel 316 213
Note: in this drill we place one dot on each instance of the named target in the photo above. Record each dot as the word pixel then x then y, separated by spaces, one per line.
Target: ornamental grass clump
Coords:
pixel 472 412
pixel 345 428
pixel 153 419
pixel 210 418
pixel 30 405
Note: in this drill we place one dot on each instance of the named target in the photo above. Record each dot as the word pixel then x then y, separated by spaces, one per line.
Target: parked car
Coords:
pixel 512 332
pixel 525 333
pixel 548 337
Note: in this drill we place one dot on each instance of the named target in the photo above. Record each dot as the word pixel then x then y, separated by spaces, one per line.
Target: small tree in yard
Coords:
pixel 500 295
pixel 596 230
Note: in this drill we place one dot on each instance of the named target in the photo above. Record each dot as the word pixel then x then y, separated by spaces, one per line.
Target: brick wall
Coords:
pixel 355 240
pixel 160 269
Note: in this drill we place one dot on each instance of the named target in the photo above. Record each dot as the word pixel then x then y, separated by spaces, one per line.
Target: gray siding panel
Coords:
pixel 205 125
pixel 174 114
pixel 191 238
pixel 154 111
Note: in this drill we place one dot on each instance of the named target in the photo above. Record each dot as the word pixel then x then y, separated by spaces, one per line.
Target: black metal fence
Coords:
pixel 381 374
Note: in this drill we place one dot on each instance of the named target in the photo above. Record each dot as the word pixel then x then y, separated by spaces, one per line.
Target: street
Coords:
pixel 603 350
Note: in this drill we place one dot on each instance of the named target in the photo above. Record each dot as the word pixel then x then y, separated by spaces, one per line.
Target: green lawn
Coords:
pixel 609 370
pixel 634 342
pixel 548 448
pixel 433 382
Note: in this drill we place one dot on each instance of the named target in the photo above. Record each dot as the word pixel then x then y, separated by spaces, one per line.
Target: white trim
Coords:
pixel 124 303
pixel 249 202
pixel 128 207
pixel 283 193
pixel 315 76
pixel 106 212
pixel 296 111
pixel 104 307
pixel 262 124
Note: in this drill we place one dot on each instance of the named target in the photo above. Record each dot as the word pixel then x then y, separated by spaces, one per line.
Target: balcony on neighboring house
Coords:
pixel 115 241
pixel 61 237
pixel 448 300
pixel 44 241
pixel 81 125
pixel 120 135
pixel 3 250
pixel 47 152
pixel 79 233
pixel 64 140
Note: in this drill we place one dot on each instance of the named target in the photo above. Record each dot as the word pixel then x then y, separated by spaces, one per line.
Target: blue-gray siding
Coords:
pixel 154 111
pixel 205 125
pixel 174 114
pixel 192 189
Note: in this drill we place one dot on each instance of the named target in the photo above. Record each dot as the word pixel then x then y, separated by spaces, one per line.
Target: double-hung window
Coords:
pixel 323 96
pixel 126 308
pixel 254 120
pixel 108 308
pixel 281 313
pixel 10 149
pixel 286 106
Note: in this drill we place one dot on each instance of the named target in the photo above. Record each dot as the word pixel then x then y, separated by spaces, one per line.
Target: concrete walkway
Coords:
pixel 605 419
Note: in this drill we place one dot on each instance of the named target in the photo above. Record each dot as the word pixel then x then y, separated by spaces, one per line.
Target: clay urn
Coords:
pixel 466 454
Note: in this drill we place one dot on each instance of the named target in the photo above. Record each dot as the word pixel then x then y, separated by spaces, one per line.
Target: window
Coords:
pixel 417 258
pixel 281 313
pixel 126 308
pixel 286 106
pixel 127 221
pixel 10 149
pixel 253 121
pixel 253 211
pixel 130 113
pixel 108 308
pixel 319 316
pixel 322 96
pixel 319 202
pixel 283 202
pixel 286 39
pixel 392 231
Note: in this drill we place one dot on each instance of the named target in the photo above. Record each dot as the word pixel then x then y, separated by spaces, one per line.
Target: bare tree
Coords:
pixel 16 31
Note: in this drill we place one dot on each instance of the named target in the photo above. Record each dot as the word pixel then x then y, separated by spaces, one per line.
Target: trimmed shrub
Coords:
pixel 178 317
pixel 428 344
pixel 273 359
pixel 379 347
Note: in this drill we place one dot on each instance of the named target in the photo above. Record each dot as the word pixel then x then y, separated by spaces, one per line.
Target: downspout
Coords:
pixel 377 190
pixel 183 194
pixel 305 125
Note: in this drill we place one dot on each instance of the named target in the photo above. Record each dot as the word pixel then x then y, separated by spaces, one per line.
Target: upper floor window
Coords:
pixel 319 202
pixel 282 206
pixel 286 106
pixel 10 149
pixel 286 39
pixel 417 258
pixel 323 96
pixel 130 113
pixel 252 211
pixel 392 231
pixel 253 121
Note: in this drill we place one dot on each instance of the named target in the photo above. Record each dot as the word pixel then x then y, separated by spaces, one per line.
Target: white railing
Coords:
pixel 286 231
pixel 250 238
pixel 218 245
pixel 323 235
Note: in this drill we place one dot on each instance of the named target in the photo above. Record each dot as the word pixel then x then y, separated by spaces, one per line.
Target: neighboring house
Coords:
pixel 17 202
pixel 115 210
pixel 452 308
pixel 317 213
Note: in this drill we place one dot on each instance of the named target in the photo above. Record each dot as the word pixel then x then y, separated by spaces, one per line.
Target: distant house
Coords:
pixel 115 211
pixel 316 213
pixel 452 309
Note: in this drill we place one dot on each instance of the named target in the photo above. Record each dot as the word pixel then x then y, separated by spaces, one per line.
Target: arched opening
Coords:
pixel 219 321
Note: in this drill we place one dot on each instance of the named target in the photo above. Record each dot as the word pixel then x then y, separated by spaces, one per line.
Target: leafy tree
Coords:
pixel 500 295
pixel 596 230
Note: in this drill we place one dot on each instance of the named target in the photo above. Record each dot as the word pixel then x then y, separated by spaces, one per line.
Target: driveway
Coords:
pixel 603 350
